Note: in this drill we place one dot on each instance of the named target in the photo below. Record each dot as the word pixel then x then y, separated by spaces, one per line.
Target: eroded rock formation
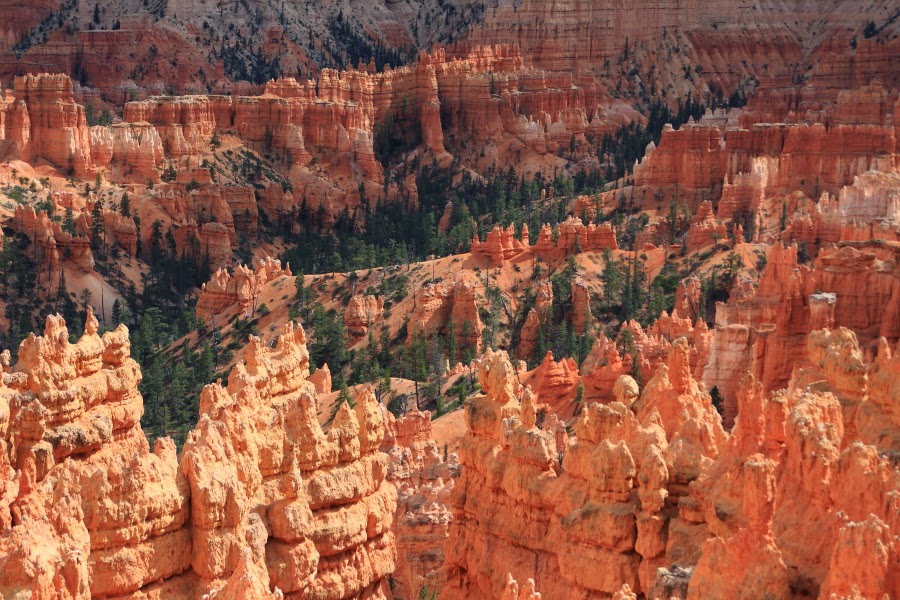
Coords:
pixel 313 508
pixel 261 503
pixel 424 475
pixel 764 331
pixel 58 130
pixel 659 498
pixel 768 490
pixel 362 313
pixel 50 245
pixel 568 238
pixel 539 313
pixel 800 175
pixel 512 516
pixel 447 309
pixel 240 288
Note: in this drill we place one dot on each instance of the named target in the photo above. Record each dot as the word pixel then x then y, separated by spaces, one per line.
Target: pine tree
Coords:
pixel 62 291
pixel 140 243
pixel 451 342
pixel 132 300
pixel 125 205
pixel 64 303
pixel 156 237
pixel 301 293
pixel 343 396
pixel 540 346
pixel 152 387
pixel 178 396
pixel 98 230
pixel 466 335
pixel 579 398
pixel 629 304
pixel 118 314
pixel 68 224
pixel 612 280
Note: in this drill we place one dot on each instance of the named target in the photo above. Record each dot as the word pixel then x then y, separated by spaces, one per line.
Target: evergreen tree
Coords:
pixel 156 417
pixel 540 346
pixel 178 397
pixel 140 242
pixel 303 294
pixel 343 397
pixel 156 238
pixel 62 291
pixel 327 338
pixel 451 342
pixel 68 224
pixel 64 303
pixel 613 280
pixel 150 335
pixel 131 298
pixel 98 230
pixel 579 398
pixel 118 312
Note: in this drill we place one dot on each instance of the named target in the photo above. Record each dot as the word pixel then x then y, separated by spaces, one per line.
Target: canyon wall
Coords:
pixel 665 46
pixel 753 170
pixel 121 46
pixel 330 138
pixel 177 45
pixel 763 331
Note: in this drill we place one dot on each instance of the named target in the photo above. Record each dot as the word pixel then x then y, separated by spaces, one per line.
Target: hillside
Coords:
pixel 441 299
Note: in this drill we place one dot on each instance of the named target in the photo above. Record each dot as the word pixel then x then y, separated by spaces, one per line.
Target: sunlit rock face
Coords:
pixel 262 503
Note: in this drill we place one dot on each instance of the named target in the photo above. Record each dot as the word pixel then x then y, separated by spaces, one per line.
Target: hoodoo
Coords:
pixel 261 497
pixel 449 299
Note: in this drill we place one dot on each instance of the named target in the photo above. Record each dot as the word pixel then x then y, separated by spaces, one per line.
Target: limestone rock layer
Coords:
pixel 262 503
pixel 655 499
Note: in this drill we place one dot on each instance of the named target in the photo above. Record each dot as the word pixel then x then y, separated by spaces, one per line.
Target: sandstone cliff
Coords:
pixel 241 288
pixel 764 331
pixel 447 309
pixel 424 476
pixel 657 500
pixel 569 517
pixel 261 503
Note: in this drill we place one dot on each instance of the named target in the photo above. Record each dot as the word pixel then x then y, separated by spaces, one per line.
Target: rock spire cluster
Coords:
pixel 261 502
